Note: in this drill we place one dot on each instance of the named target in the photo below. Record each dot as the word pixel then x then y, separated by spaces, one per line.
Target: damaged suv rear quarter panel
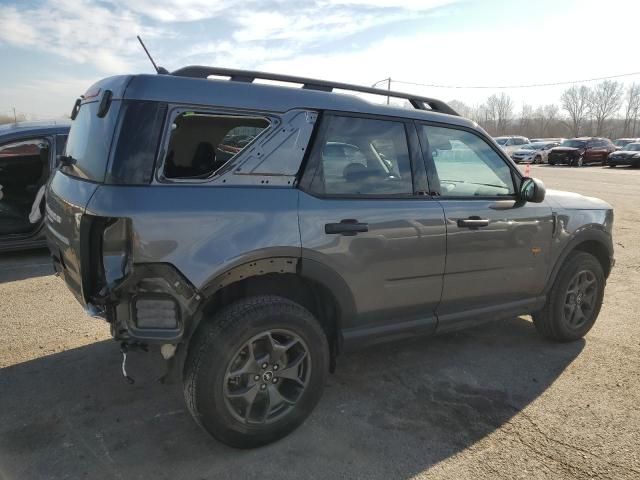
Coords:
pixel 208 226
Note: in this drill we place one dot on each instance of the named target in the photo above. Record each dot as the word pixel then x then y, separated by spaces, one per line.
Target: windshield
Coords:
pixel 534 146
pixel 621 142
pixel 574 143
pixel 501 140
pixel 633 147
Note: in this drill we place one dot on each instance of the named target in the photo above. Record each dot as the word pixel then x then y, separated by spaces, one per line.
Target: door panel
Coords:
pixel 364 214
pixel 504 262
pixel 497 247
pixel 395 268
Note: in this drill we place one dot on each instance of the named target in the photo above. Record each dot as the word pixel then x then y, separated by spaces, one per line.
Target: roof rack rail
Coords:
pixel 196 71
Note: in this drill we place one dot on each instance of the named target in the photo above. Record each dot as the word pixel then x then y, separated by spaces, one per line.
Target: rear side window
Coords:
pixel 138 139
pixel 201 143
pixel 359 156
pixel 89 142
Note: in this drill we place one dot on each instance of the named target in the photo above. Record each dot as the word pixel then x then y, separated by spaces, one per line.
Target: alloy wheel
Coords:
pixel 266 377
pixel 580 299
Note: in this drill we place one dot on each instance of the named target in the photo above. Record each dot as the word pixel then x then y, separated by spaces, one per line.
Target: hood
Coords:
pixel 575 201
pixel 565 149
pixel 524 151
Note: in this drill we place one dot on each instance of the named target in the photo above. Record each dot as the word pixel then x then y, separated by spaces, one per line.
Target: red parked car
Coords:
pixel 577 152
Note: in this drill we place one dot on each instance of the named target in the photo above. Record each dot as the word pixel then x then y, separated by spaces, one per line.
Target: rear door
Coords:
pixel 364 214
pixel 498 249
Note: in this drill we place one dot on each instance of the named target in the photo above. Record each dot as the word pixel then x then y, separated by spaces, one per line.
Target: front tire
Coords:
pixel 574 301
pixel 537 160
pixel 256 370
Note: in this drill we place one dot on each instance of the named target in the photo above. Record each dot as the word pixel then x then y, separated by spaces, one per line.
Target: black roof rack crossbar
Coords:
pixel 196 71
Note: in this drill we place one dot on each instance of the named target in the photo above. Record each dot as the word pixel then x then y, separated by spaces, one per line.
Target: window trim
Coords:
pixel 432 174
pixel 173 111
pixel 311 164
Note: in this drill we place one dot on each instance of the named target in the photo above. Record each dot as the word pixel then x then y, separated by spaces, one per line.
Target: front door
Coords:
pixel 24 169
pixel 498 249
pixel 364 215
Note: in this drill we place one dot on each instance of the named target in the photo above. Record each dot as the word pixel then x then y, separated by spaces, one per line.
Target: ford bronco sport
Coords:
pixel 254 232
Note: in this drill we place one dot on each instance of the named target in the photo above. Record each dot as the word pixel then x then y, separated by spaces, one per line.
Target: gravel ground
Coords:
pixel 496 401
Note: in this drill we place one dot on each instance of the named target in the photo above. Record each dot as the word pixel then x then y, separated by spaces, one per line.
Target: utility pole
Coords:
pixel 15 118
pixel 388 80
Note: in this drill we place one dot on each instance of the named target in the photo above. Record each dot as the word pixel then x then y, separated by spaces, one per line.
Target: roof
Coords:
pixel 257 97
pixel 20 129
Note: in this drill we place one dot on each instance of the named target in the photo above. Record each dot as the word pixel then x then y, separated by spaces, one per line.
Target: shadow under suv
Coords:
pixel 254 232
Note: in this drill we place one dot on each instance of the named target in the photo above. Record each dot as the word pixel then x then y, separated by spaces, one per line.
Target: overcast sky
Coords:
pixel 52 50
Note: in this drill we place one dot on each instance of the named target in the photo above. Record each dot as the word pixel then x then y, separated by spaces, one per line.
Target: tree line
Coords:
pixel 608 109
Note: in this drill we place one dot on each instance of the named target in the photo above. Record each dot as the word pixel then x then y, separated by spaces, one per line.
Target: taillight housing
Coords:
pixel 116 250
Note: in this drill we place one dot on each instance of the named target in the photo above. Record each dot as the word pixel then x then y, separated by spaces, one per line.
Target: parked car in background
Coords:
pixel 557 140
pixel 511 143
pixel 620 143
pixel 28 153
pixel 535 152
pixel 577 152
pixel 629 155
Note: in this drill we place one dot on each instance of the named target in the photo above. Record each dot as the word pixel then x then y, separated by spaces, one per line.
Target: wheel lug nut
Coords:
pixel 257 377
pixel 275 380
pixel 265 365
pixel 263 386
pixel 275 367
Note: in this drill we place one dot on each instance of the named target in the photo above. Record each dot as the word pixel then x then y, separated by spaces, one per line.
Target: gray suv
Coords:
pixel 254 232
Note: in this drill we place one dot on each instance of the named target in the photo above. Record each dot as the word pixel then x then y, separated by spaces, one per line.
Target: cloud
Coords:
pixel 79 30
pixel 176 10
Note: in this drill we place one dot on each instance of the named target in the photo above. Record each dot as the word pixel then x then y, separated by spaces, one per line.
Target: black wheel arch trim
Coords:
pixel 306 268
pixel 586 235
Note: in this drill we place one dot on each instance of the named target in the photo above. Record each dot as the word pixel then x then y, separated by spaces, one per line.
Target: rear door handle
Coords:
pixel 348 226
pixel 473 222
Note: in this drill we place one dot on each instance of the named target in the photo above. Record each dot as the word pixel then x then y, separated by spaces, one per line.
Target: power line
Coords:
pixel 551 84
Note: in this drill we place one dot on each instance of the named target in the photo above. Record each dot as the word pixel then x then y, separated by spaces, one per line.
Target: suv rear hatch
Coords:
pixel 82 170
pixel 113 141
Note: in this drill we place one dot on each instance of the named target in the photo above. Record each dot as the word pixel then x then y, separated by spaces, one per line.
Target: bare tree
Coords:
pixel 461 107
pixel 631 110
pixel 526 117
pixel 550 116
pixel 575 100
pixel 500 108
pixel 604 101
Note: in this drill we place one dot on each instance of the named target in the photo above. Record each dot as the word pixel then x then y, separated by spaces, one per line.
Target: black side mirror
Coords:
pixel 532 190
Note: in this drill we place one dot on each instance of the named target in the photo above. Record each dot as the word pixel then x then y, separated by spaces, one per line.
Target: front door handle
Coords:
pixel 473 222
pixel 348 226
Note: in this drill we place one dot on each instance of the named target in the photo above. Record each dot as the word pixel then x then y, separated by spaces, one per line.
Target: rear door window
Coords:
pixel 362 156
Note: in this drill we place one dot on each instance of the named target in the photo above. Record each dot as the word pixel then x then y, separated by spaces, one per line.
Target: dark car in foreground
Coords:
pixel 27 157
pixel 341 224
pixel 629 155
pixel 577 152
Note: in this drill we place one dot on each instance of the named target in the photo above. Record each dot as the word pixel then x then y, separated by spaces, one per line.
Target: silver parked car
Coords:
pixel 511 143
pixel 534 152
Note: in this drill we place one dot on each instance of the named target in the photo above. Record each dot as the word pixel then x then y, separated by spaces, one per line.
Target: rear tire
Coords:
pixel 228 389
pixel 574 301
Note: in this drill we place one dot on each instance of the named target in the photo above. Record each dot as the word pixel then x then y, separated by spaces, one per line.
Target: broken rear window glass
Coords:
pixel 201 144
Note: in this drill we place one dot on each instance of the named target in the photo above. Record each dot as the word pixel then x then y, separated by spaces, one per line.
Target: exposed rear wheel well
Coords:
pixel 313 296
pixel 599 251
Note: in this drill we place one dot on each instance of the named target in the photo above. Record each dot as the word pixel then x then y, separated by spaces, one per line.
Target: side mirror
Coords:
pixel 532 190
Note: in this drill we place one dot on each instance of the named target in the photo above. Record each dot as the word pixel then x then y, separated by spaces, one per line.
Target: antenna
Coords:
pixel 158 69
